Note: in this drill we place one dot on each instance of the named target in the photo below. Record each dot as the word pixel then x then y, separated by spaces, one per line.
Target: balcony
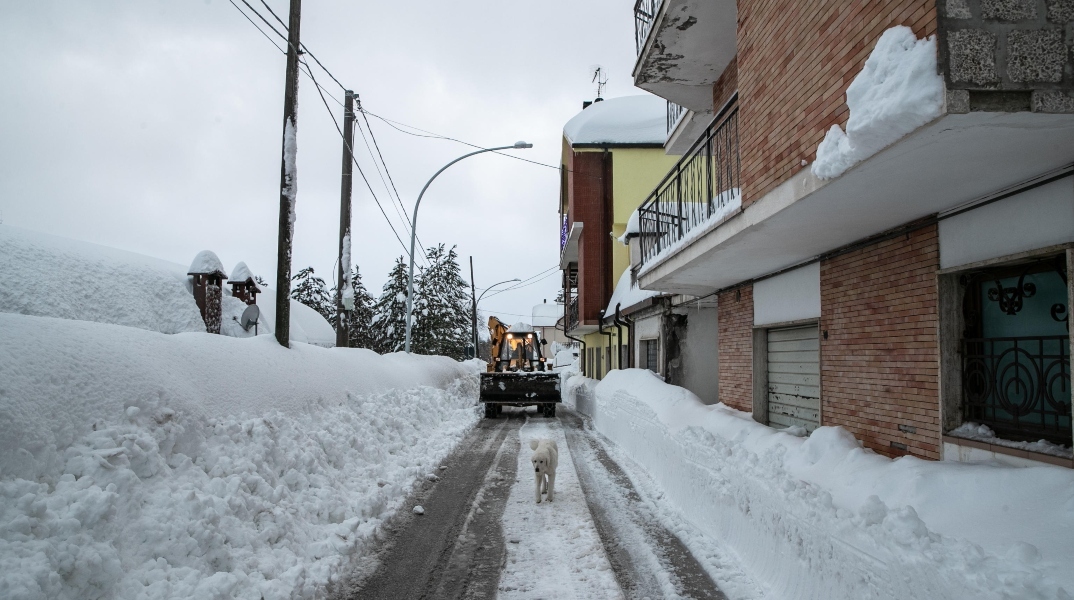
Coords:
pixel 683 47
pixel 700 192
pixel 675 114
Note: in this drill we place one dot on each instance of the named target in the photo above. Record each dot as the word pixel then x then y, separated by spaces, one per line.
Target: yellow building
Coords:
pixel 613 157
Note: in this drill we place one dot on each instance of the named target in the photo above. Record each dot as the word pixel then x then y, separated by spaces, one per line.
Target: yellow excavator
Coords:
pixel 517 372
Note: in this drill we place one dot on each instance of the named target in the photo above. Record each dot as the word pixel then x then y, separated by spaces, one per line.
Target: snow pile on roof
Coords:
pixel 240 273
pixel 51 276
pixel 821 517
pixel 626 120
pixel 896 92
pixel 521 327
pixel 306 324
pixel 546 315
pixel 140 465
pixel 206 262
pixel 626 294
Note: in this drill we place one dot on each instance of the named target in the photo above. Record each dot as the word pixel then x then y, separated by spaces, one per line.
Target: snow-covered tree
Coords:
pixel 310 290
pixel 260 282
pixel 442 306
pixel 388 327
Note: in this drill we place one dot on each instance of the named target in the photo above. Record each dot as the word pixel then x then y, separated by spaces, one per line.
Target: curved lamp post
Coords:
pixel 478 301
pixel 414 231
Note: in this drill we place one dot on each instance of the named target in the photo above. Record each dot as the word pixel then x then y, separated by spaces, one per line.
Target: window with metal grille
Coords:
pixel 651 351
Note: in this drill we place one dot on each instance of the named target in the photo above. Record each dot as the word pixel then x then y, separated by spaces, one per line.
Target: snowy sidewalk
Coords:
pixel 553 548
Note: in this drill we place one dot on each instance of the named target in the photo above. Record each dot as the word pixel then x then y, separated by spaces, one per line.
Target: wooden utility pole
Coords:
pixel 342 316
pixel 473 300
pixel 288 181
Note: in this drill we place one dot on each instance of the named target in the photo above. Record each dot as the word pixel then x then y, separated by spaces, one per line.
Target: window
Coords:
pixel 650 349
pixel 1016 351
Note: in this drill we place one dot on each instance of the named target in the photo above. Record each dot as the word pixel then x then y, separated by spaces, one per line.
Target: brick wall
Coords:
pixel 587 204
pixel 793 90
pixel 725 86
pixel 880 363
pixel 735 356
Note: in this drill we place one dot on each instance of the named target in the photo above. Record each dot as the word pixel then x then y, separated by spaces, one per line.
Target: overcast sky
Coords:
pixel 154 126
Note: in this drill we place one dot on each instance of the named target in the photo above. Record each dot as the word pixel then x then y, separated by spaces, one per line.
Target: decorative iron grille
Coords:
pixel 645 12
pixel 572 314
pixel 1018 386
pixel 702 184
pixel 675 113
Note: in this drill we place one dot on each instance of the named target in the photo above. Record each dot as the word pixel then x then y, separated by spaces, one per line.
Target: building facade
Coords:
pixel 877 201
pixel 613 154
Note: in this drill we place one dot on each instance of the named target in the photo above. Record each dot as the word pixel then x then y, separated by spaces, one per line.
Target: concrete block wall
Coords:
pixel 735 341
pixel 1008 55
pixel 793 91
pixel 880 356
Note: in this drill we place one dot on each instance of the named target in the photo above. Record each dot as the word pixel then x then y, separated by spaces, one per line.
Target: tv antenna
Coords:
pixel 599 78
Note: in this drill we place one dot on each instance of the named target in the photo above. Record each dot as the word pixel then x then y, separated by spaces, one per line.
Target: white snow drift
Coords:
pixel 897 91
pixel 823 518
pixel 140 465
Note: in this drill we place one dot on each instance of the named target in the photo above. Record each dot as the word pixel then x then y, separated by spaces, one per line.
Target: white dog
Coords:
pixel 545 458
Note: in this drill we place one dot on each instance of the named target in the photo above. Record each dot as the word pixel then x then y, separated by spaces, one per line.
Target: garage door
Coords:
pixel 794 377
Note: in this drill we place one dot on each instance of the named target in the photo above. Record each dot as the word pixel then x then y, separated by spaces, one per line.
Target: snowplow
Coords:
pixel 517 372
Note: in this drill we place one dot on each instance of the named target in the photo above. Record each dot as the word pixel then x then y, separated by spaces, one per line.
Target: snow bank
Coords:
pixel 140 465
pixel 898 90
pixel 49 276
pixel 626 120
pixel 822 518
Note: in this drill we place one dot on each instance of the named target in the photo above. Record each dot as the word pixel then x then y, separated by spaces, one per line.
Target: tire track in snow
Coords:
pixel 553 548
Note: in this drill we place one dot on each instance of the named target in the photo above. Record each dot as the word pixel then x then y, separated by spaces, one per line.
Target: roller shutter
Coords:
pixel 794 377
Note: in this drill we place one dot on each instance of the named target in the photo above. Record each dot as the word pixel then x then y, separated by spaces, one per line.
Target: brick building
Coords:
pixel 612 156
pixel 878 198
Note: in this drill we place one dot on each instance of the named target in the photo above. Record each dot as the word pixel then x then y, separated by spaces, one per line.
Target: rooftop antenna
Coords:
pixel 601 79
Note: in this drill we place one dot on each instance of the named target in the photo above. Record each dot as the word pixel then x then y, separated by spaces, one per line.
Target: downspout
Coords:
pixel 600 330
pixel 629 324
pixel 581 356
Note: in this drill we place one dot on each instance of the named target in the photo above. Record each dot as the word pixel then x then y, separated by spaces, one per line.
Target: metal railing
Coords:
pixel 1018 386
pixel 675 112
pixel 701 185
pixel 572 314
pixel 645 12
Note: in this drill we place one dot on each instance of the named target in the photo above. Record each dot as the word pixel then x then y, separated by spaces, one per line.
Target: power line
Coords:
pixel 386 172
pixel 243 13
pixel 351 150
pixel 307 50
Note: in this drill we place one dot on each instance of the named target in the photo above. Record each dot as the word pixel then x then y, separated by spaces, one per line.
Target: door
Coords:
pixel 794 377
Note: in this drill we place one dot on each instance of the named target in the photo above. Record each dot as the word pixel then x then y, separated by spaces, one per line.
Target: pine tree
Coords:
pixel 361 318
pixel 310 290
pixel 388 327
pixel 442 307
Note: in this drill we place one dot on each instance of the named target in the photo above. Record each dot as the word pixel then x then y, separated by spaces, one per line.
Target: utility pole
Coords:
pixel 473 300
pixel 342 316
pixel 288 181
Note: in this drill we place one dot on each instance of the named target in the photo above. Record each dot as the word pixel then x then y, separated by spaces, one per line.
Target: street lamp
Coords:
pixel 479 300
pixel 414 231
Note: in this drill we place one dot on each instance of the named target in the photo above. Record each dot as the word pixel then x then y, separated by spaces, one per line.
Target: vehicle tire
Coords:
pixel 490 410
pixel 499 410
pixel 551 409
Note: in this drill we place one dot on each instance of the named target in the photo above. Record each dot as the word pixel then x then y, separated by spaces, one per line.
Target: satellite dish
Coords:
pixel 250 317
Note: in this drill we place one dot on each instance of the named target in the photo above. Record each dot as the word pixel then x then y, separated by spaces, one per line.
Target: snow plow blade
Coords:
pixel 520 388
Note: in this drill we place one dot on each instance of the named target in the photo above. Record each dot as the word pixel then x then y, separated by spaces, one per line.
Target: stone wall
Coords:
pixel 1008 55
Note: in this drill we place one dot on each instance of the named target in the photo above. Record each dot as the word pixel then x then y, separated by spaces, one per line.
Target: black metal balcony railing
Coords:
pixel 675 113
pixel 703 183
pixel 644 15
pixel 572 314
pixel 1018 386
